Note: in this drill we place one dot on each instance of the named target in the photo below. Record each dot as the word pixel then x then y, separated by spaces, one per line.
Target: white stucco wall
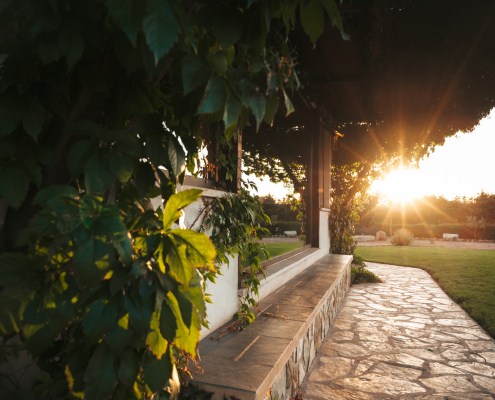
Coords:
pixel 324 232
pixel 224 292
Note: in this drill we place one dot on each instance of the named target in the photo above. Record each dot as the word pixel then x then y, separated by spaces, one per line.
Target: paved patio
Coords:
pixel 402 339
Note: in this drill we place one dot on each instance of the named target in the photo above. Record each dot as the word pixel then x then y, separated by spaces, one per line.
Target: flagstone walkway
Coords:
pixel 402 339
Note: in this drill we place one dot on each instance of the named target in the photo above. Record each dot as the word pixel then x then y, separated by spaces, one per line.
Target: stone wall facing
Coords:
pixel 288 382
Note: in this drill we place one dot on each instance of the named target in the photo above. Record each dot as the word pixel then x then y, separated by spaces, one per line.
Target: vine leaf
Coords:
pixel 258 104
pixel 232 109
pixel 195 72
pixel 180 267
pixel 176 155
pixel 215 95
pixel 101 375
pixel 186 339
pixel 272 103
pixel 100 318
pixel 335 16
pixel 155 341
pixel 175 203
pixel 92 260
pixel 98 176
pixel 40 336
pixel 139 315
pixel 159 373
pixel 118 338
pixel 160 27
pixel 195 294
pixel 312 19
pixel 129 366
pixel 200 249
pixel 288 103
pixel 120 239
pixel 168 324
pixel 226 22
pixel 128 15
pixel 121 166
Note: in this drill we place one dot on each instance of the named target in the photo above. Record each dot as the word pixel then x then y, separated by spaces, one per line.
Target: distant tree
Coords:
pixel 475 224
pixel 268 199
pixel 484 205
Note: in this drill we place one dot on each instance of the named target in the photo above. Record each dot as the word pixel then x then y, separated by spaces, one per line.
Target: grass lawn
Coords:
pixel 276 249
pixel 467 276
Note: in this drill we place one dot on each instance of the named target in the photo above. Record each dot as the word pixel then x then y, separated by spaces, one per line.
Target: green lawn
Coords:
pixel 467 276
pixel 276 249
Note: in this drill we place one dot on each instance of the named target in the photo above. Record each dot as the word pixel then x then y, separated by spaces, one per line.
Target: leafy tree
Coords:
pixel 475 224
pixel 101 105
pixel 268 199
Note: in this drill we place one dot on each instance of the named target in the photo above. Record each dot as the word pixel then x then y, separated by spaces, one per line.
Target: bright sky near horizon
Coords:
pixel 463 166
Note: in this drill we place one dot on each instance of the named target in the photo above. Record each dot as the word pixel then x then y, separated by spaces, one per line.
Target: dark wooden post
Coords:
pixel 314 195
pixel 236 184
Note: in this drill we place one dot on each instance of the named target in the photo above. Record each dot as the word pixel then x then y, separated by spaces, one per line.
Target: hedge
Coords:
pixel 281 211
pixel 427 231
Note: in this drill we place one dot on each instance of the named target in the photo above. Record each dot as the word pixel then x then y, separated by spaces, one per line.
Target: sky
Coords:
pixel 463 166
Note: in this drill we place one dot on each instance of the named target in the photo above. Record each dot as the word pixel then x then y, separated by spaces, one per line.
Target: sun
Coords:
pixel 399 186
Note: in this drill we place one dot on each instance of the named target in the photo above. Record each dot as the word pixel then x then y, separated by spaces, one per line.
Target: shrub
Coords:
pixel 381 236
pixel 359 274
pixel 362 275
pixel 402 237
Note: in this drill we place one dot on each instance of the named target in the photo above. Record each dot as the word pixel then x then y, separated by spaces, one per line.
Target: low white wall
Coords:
pixel 224 292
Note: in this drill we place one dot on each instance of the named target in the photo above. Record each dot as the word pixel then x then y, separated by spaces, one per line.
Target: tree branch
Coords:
pixel 295 181
pixel 359 182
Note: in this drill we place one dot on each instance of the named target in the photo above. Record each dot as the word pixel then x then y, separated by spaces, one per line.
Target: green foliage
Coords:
pixel 85 284
pixel 235 221
pixel 345 207
pixel 358 260
pixel 362 275
pixel 340 224
pixel 402 238
pixel 96 98
pixel 359 273
pixel 475 224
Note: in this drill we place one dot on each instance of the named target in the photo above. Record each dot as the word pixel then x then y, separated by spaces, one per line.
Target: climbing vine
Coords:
pixel 235 222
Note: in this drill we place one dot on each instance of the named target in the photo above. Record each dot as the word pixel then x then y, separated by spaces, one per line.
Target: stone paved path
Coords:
pixel 402 339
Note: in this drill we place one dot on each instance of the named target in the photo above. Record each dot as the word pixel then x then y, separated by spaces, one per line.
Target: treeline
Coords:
pixel 430 216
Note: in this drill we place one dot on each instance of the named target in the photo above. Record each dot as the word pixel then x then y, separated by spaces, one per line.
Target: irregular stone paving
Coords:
pixel 402 339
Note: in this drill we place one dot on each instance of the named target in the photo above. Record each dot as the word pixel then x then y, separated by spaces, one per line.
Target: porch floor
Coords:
pixel 402 339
